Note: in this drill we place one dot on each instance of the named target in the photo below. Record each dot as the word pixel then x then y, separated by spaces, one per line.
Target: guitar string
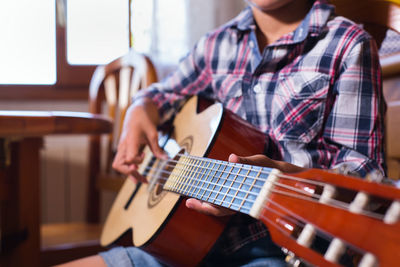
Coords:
pixel 332 202
pixel 260 170
pixel 296 220
pixel 249 168
pixel 224 179
pixel 319 234
pixel 206 189
pixel 337 203
pixel 299 222
pixel 273 223
pixel 246 167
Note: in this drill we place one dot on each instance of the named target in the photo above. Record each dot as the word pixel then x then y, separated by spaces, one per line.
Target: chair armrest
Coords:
pixel 39 123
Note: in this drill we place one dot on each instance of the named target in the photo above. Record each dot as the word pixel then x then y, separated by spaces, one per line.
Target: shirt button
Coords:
pixel 251 44
pixel 237 94
pixel 257 88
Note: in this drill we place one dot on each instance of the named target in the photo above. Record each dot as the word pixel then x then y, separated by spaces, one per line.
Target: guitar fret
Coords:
pixel 215 184
pixel 190 176
pixel 248 191
pixel 200 178
pixel 238 189
pixel 243 186
pixel 186 174
pixel 193 178
pixel 229 187
pixel 222 188
pixel 181 170
pixel 205 180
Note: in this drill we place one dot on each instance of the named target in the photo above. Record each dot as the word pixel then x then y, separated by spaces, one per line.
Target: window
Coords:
pixel 53 46
pixel 167 30
pixel 96 35
pixel 159 28
pixel 28 48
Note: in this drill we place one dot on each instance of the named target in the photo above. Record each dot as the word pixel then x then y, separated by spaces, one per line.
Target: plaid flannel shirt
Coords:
pixel 316 92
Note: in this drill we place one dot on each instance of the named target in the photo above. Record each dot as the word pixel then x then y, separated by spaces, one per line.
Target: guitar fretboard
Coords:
pixel 231 185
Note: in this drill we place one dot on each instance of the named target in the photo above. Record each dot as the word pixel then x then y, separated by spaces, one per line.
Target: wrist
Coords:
pixel 145 107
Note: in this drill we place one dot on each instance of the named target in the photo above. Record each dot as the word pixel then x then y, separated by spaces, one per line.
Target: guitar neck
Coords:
pixel 231 185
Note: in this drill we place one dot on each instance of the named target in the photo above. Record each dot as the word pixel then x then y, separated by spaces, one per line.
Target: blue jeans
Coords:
pixel 262 252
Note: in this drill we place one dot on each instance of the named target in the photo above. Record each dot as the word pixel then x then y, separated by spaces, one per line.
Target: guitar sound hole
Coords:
pixel 156 195
pixel 163 171
pixel 157 191
pixel 156 183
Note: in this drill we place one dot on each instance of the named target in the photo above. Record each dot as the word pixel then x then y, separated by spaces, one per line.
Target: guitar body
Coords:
pixel 158 221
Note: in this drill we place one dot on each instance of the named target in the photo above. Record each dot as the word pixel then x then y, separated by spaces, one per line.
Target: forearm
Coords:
pixel 148 106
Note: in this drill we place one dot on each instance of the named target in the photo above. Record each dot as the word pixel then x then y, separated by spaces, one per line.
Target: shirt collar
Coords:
pixel 245 20
pixel 312 24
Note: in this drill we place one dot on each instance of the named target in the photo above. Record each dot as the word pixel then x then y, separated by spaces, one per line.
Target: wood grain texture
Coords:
pixel 39 123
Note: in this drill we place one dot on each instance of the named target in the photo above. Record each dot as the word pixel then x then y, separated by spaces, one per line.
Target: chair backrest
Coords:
pixel 377 16
pixel 115 82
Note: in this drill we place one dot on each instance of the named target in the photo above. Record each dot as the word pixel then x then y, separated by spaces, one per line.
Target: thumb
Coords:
pixel 152 138
pixel 234 158
pixel 257 160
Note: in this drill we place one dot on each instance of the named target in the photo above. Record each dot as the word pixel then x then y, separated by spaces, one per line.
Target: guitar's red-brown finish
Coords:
pixel 188 236
pixel 286 203
pixel 340 223
pixel 180 242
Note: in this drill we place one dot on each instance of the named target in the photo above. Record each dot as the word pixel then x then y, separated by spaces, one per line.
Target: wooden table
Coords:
pixel 21 138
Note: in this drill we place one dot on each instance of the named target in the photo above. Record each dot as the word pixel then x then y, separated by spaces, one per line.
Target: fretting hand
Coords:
pixel 259 160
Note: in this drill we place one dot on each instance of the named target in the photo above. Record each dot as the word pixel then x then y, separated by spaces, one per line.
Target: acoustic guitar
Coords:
pixel 317 216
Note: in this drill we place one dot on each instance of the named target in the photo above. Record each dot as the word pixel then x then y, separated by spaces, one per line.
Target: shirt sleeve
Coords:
pixel 191 77
pixel 355 123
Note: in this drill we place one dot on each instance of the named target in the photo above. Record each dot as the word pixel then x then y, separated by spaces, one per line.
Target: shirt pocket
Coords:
pixel 228 90
pixel 298 106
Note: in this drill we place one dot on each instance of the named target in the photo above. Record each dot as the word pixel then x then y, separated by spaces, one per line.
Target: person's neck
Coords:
pixel 271 25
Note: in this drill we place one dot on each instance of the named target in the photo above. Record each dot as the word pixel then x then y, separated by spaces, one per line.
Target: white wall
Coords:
pixel 205 15
pixel 177 25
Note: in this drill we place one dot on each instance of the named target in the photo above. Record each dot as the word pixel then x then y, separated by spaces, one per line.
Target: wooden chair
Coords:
pixel 21 139
pixel 116 83
pixel 378 16
pixel 121 79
